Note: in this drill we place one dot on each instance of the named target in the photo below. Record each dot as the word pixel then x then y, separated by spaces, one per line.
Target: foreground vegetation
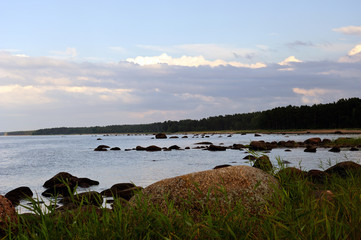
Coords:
pixel 345 113
pixel 296 211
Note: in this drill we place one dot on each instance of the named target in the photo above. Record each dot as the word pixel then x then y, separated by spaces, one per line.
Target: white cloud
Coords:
pixel 69 52
pixel 349 30
pixel 354 55
pixel 289 60
pixel 16 95
pixel 188 61
pixel 314 95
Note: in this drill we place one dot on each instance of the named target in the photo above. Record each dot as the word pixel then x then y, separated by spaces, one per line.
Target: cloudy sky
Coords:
pixel 87 63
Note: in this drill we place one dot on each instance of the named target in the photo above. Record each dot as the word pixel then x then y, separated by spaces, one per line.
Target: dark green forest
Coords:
pixel 345 113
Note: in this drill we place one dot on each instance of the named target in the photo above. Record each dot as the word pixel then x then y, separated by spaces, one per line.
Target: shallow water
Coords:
pixel 31 160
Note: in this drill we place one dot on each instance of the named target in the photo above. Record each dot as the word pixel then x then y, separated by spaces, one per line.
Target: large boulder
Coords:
pixel 62 182
pixel 342 169
pixel 263 163
pixel 153 148
pixel 214 148
pixel 18 194
pixel 160 136
pixel 259 146
pixel 221 187
pixel 313 141
pixel 121 190
pixel 7 214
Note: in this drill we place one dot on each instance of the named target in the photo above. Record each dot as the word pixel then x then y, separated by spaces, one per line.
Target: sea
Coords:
pixel 31 160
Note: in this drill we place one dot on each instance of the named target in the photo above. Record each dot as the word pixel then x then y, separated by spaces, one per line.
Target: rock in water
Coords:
pixel 18 194
pixel 160 136
pixel 249 185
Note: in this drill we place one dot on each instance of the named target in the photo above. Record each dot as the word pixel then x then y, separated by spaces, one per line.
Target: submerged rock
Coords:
pixel 216 148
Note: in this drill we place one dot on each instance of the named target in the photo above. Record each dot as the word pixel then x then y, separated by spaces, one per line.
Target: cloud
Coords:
pixel 313 96
pixel 208 51
pixel 69 52
pixel 188 61
pixel 354 55
pixel 288 61
pixel 48 92
pixel 349 30
pixel 300 44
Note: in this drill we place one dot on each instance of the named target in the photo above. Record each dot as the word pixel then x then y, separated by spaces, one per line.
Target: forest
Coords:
pixel 345 113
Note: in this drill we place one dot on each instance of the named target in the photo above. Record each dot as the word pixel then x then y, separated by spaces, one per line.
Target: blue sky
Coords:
pixel 84 63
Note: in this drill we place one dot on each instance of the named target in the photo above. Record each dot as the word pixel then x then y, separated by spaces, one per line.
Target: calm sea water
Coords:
pixel 31 160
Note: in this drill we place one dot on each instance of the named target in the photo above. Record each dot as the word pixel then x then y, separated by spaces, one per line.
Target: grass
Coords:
pixel 293 212
pixel 347 142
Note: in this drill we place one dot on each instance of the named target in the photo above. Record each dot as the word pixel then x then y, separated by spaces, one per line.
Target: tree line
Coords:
pixel 345 113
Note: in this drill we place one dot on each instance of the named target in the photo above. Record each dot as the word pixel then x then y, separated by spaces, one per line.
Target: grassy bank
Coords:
pixel 299 210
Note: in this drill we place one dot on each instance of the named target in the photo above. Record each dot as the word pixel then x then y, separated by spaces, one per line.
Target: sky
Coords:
pixel 96 63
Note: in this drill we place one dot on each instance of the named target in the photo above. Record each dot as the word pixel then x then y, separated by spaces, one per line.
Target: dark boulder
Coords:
pixel 257 135
pixel 291 174
pixel 115 149
pixel 250 157
pixel 140 148
pixel 335 149
pixel 185 137
pixel 259 146
pixel 174 137
pixel 326 142
pixel 18 194
pixel 237 146
pixel 101 148
pixel 117 188
pixel 61 189
pixel 203 143
pixel 216 148
pixel 342 169
pixel 317 176
pixel 160 136
pixel 153 148
pixel 68 179
pixel 263 163
pixel 354 149
pixel 310 149
pixel 222 166
pixel 313 141
pixel 174 147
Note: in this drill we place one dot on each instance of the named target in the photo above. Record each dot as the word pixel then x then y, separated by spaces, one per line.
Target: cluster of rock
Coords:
pixel 310 145
pixel 102 148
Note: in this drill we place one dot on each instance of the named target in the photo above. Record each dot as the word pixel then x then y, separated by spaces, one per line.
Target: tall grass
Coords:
pixel 295 211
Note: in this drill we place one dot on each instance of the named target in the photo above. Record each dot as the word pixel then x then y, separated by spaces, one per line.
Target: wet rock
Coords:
pixel 185 137
pixel 223 187
pixel 222 166
pixel 259 146
pixel 115 149
pixel 263 163
pixel 342 169
pixel 335 149
pixel 317 176
pixel 174 147
pixel 237 146
pixel 140 148
pixel 174 137
pixel 101 148
pixel 99 139
pixel 153 148
pixel 250 157
pixel 160 136
pixel 187 148
pixel 310 149
pixel 116 188
pixel 8 215
pixel 216 148
pixel 203 143
pixel 354 149
pixel 18 194
pixel 62 182
pixel 291 174
pixel 257 135
pixel 288 150
pixel 313 141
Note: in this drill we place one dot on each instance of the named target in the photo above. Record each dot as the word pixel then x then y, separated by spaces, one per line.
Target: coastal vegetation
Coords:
pixel 345 113
pixel 322 205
